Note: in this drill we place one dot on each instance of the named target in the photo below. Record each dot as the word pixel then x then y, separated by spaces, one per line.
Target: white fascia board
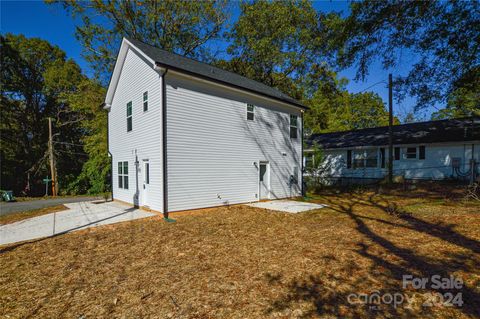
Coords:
pixel 122 54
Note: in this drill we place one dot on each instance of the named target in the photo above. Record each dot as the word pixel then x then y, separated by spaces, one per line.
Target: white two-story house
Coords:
pixel 183 134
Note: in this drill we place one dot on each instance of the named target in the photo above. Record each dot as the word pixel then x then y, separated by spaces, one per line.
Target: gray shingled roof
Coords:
pixel 204 70
pixel 455 130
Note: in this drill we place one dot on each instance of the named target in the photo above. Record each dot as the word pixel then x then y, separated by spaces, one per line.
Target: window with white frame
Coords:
pixel 123 175
pixel 293 126
pixel 410 153
pixel 129 116
pixel 365 158
pixel 145 101
pixel 250 112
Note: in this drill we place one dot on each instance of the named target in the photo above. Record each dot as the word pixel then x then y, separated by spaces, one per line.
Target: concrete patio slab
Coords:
pixel 79 216
pixel 287 206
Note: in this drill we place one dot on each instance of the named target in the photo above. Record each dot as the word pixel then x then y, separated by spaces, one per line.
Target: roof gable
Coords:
pixel 166 60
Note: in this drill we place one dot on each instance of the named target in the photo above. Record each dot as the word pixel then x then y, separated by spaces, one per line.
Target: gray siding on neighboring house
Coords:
pixel 145 138
pixel 436 165
pixel 211 147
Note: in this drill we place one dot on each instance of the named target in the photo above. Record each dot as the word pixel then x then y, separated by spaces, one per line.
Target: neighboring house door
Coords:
pixel 146 181
pixel 264 180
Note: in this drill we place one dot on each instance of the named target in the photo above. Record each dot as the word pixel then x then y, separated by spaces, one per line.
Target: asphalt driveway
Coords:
pixel 79 216
pixel 15 207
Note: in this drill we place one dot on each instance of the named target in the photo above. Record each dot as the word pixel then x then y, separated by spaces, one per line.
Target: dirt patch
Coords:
pixel 242 262
pixel 12 218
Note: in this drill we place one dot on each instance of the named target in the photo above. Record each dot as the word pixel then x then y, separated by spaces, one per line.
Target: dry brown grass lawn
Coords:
pixel 12 218
pixel 241 262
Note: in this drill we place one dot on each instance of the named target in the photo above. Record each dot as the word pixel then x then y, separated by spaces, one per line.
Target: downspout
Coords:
pixel 164 147
pixel 301 159
pixel 108 150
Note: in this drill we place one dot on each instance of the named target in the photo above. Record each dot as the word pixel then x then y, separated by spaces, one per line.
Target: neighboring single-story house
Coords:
pixel 430 150
pixel 183 134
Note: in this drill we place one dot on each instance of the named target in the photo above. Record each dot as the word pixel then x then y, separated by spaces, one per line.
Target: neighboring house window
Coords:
pixel 421 152
pixel 309 161
pixel 129 116
pixel 365 158
pixel 145 101
pixel 382 159
pixel 123 175
pixel 397 153
pixel 293 126
pixel 411 153
pixel 349 159
pixel 250 112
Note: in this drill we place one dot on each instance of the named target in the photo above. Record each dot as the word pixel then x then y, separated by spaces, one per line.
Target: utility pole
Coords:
pixel 390 130
pixel 52 160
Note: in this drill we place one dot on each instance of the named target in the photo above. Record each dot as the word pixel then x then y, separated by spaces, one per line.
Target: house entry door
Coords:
pixel 146 182
pixel 264 180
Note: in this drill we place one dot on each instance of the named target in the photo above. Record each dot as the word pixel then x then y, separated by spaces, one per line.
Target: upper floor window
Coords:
pixel 145 101
pixel 129 116
pixel 293 126
pixel 250 112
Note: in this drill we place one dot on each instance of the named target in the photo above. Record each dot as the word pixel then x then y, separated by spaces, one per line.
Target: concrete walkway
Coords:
pixel 79 216
pixel 287 206
pixel 15 207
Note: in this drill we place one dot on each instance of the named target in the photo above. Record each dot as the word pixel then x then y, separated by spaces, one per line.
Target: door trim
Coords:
pixel 144 182
pixel 267 163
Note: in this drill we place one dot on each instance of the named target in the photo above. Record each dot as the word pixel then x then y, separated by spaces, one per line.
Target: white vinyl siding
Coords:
pixel 214 152
pixel 437 163
pixel 145 139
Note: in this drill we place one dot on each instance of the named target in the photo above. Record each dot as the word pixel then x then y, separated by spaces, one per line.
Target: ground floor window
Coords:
pixel 123 175
pixel 411 153
pixel 365 158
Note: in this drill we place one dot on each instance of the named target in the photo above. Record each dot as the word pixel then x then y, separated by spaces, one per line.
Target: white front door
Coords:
pixel 146 182
pixel 264 180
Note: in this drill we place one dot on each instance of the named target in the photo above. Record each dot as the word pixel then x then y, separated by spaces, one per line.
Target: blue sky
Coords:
pixel 51 22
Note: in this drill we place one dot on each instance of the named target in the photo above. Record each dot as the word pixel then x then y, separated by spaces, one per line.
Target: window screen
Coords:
pixel 123 175
pixel 397 153
pixel 349 159
pixel 145 101
pixel 411 153
pixel 250 112
pixel 421 152
pixel 129 116
pixel 293 126
pixel 382 159
pixel 371 158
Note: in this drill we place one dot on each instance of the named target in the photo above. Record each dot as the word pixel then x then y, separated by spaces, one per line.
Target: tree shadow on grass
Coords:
pixel 330 299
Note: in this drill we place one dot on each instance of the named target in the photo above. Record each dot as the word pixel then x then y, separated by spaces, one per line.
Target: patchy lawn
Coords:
pixel 243 262
pixel 15 217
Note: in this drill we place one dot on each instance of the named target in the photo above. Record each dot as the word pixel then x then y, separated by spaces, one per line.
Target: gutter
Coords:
pixel 301 161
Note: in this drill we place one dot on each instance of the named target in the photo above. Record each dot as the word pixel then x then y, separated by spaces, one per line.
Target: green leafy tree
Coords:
pixel 182 27
pixel 444 37
pixel 464 100
pixel 34 77
pixel 86 100
pixel 332 108
pixel 276 43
